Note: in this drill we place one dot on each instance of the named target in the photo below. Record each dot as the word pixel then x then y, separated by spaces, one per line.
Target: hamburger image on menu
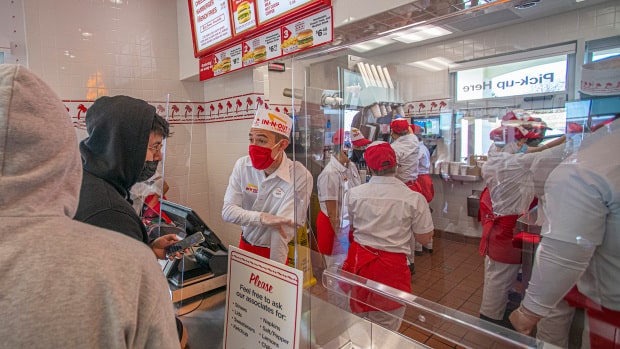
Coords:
pixel 243 12
pixel 305 39
pixel 226 64
pixel 260 53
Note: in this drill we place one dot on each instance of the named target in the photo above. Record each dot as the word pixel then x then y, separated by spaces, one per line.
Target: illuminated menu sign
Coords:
pixel 270 9
pixel 211 22
pixel 311 31
pixel 244 15
pixel 219 23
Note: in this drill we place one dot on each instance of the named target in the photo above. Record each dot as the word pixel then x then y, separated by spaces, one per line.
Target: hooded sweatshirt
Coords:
pixel 113 156
pixel 65 284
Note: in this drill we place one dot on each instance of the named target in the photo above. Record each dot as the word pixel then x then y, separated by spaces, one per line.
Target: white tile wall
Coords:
pixel 135 51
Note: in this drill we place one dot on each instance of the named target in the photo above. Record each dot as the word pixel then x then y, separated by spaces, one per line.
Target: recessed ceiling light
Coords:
pixel 420 33
pixel 433 64
pixel 87 34
pixel 527 4
pixel 371 44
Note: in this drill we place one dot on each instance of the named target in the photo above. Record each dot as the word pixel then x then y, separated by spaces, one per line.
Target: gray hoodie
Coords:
pixel 65 284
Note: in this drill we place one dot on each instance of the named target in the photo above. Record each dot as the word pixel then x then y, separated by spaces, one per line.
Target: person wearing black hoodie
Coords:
pixel 124 136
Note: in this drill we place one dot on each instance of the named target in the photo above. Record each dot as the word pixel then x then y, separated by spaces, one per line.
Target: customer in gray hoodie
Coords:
pixel 58 287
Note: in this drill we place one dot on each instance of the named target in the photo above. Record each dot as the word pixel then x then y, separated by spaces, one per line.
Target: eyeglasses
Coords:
pixel 157 147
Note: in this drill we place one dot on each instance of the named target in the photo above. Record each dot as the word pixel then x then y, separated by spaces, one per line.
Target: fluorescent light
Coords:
pixel 420 33
pixel 371 44
pixel 434 64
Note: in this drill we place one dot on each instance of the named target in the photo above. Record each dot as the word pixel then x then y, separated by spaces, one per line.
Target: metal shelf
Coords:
pixel 465 178
pixel 462 178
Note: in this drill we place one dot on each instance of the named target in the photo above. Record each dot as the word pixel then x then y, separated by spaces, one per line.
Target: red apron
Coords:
pixel 388 268
pixel 424 186
pixel 155 211
pixel 604 323
pixel 497 233
pixel 259 250
pixel 325 235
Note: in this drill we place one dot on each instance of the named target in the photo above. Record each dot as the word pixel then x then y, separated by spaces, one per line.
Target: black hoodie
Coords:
pixel 112 158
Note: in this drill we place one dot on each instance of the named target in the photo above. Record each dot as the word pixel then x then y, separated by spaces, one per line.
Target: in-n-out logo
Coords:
pixel 512 79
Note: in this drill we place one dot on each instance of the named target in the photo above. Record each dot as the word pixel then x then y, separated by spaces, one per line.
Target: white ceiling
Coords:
pixel 461 17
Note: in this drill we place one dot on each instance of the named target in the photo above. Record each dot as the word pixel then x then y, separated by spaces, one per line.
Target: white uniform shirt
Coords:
pixel 583 211
pixel 286 193
pixel 424 160
pixel 407 152
pixel 334 182
pixel 385 214
pixel 510 180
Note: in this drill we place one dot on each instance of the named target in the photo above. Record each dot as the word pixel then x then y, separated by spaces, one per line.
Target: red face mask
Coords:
pixel 261 156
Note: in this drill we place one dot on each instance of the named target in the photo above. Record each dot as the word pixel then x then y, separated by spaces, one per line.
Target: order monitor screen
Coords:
pixel 183 216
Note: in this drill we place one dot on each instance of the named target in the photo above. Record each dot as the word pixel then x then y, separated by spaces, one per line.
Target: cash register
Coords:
pixel 204 267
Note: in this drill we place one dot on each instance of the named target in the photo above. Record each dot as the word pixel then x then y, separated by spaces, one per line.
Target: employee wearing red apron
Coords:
pixel 424 184
pixel 386 220
pixel 406 147
pixel 332 223
pixel 507 175
pixel 264 188
pixel 581 243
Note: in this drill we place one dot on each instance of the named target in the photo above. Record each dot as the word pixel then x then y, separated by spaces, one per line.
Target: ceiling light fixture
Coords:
pixel 434 64
pixel 371 44
pixel 526 4
pixel 420 33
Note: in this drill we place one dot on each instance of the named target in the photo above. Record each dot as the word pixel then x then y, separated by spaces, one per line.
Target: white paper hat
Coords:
pixel 273 121
pixel 601 78
pixel 357 138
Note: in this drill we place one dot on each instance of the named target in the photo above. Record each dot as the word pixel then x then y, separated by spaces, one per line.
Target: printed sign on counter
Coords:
pixel 244 15
pixel 211 22
pixel 263 302
pixel 308 32
pixel 270 9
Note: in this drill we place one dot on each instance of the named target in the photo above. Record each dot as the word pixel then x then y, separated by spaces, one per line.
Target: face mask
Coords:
pixel 148 170
pixel 261 156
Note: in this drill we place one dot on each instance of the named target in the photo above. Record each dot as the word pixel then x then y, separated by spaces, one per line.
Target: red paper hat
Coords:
pixel 497 135
pixel 380 156
pixel 338 137
pixel 399 125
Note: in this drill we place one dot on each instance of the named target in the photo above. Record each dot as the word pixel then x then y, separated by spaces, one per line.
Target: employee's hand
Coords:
pixel 270 220
pixel 159 247
pixel 524 320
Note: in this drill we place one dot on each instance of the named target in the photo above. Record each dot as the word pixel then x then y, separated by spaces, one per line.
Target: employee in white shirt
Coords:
pixel 386 220
pixel 332 223
pixel 407 151
pixel 268 194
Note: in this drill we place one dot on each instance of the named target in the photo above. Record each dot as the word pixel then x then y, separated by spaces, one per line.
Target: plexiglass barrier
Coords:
pixel 445 324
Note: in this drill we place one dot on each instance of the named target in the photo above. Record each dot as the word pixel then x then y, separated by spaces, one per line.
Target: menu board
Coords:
pixel 244 15
pixel 211 22
pixel 308 32
pixel 270 9
pixel 263 302
pixel 219 23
